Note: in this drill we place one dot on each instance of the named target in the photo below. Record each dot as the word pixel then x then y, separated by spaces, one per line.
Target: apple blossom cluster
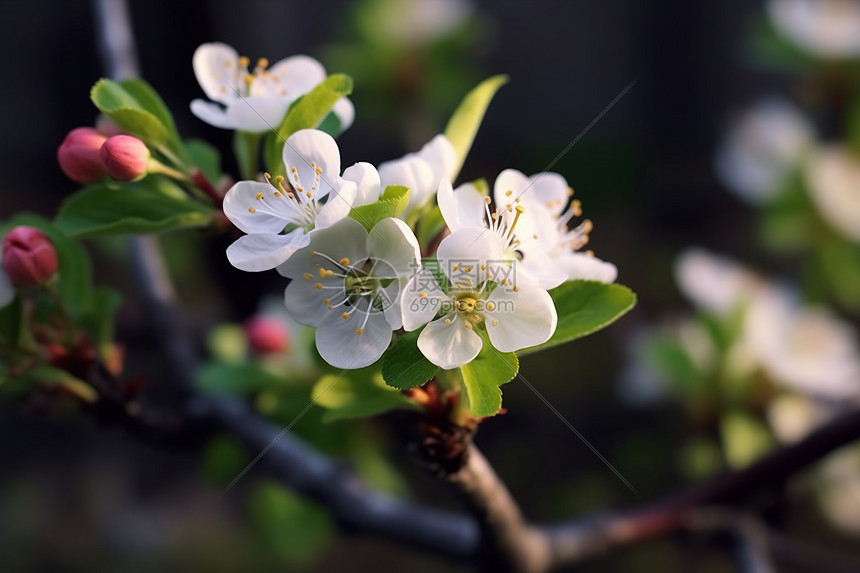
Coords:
pixel 357 283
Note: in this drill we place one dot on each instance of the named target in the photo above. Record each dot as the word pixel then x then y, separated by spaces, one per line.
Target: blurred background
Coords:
pixel 654 173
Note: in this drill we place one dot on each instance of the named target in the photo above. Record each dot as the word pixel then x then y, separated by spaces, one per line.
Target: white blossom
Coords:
pixel 761 149
pixel 346 284
pixel 515 312
pixel 278 216
pixel 421 172
pixel 825 28
pixel 255 99
pixel 833 178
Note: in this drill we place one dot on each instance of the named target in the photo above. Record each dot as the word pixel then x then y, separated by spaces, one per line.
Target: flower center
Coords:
pixel 357 292
pixel 259 81
pixel 295 203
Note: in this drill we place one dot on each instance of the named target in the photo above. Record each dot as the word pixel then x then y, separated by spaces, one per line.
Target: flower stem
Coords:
pixel 246 146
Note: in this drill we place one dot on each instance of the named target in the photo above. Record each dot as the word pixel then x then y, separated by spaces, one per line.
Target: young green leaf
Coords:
pixel 306 113
pixel 104 209
pixel 585 307
pixel 351 396
pixel 403 365
pixel 464 124
pixel 483 376
pixel 49 376
pixel 391 203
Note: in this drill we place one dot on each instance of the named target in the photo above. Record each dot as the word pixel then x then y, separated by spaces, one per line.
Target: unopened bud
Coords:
pixel 267 335
pixel 29 257
pixel 125 157
pixel 79 155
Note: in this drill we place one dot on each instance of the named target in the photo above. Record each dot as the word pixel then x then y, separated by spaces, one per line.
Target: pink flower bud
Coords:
pixel 125 157
pixel 79 155
pixel 29 257
pixel 267 335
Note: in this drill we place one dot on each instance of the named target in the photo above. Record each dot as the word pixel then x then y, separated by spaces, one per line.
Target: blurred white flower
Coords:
pixel 714 283
pixel 838 490
pixel 792 417
pixel 416 22
pixel 825 28
pixel 833 178
pixel 804 349
pixel 761 148
pixel 255 99
pixel 421 172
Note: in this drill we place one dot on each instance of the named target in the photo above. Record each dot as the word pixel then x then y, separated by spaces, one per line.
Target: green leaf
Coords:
pixel 12 321
pixel 74 273
pixel 350 396
pixel 483 376
pixel 404 366
pixel 671 360
pixel 306 113
pixel 148 99
pixel 106 301
pixel 234 379
pixel 105 209
pixel 331 124
pixel 223 459
pixel 464 124
pixel 391 203
pixel 120 104
pixel 585 307
pixel 205 157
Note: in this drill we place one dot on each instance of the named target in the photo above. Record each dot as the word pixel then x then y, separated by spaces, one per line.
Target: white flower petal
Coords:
pixel 391 304
pixel 441 157
pixel 298 74
pixel 262 252
pixel 216 66
pixel 211 113
pixel 308 304
pixel 468 247
pixel 416 309
pixel 827 28
pixel 547 272
pixel 509 180
pixel 550 190
pixel 257 114
pixel 309 148
pixel 449 345
pixel 520 319
pixel 392 241
pixel 410 172
pixel 833 175
pixel 266 217
pixel 340 346
pixel 345 112
pixel 7 291
pixel 714 283
pixel 461 207
pixel 582 266
pixel 337 205
pixel 366 178
pixel 345 239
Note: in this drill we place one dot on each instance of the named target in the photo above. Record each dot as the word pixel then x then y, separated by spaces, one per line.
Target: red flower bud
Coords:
pixel 125 157
pixel 29 257
pixel 79 155
pixel 267 335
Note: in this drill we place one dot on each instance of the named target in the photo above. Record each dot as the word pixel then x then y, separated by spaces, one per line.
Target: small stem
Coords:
pixel 156 166
pixel 203 183
pixel 246 146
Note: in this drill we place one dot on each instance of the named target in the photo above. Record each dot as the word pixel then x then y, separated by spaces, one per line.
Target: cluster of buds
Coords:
pixel 87 155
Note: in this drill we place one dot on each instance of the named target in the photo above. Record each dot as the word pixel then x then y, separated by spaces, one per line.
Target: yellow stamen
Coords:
pixel 491 306
pixel 359 331
pixel 422 294
pixel 259 196
pixel 345 315
pixel 263 62
pixel 307 276
pixel 318 286
pixel 344 262
pixel 251 210
pixel 244 61
pixel 495 323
